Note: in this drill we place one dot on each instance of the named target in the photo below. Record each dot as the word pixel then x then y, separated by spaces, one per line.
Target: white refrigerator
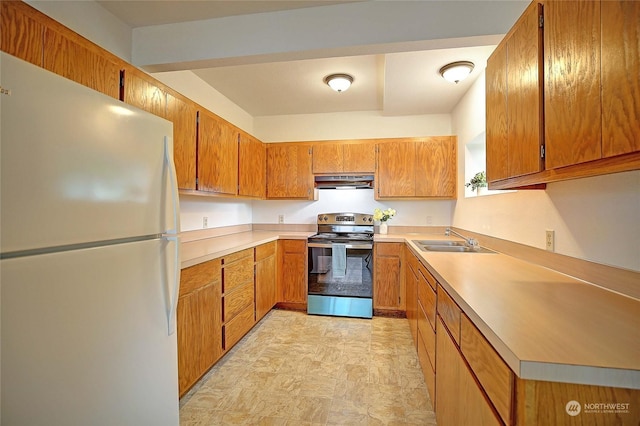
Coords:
pixel 89 267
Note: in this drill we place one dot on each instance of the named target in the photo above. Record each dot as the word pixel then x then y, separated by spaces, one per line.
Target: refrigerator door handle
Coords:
pixel 173 285
pixel 172 235
pixel 168 160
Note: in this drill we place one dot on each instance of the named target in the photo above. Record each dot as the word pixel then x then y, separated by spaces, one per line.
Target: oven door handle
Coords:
pixel 349 246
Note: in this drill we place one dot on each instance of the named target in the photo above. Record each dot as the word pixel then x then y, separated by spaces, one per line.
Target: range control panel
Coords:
pixel 345 219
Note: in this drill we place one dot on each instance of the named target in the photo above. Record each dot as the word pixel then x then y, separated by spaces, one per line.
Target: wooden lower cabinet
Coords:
pixel 199 322
pixel 265 264
pixel 411 286
pixel 292 272
pixel 459 400
pixel 388 282
pixel 238 296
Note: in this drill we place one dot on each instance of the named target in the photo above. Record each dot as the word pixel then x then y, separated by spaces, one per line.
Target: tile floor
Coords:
pixel 297 369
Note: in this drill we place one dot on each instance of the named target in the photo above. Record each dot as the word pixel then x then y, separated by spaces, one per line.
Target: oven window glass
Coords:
pixel 357 281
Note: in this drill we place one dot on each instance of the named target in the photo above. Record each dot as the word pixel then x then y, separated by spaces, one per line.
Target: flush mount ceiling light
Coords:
pixel 339 82
pixel 456 71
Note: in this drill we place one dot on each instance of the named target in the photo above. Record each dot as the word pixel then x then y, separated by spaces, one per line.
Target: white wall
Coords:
pixel 91 21
pixel 415 213
pixel 348 125
pixel 219 212
pixel 194 88
pixel 594 218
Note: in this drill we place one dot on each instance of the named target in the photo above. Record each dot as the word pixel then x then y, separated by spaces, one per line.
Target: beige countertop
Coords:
pixel 198 251
pixel 544 324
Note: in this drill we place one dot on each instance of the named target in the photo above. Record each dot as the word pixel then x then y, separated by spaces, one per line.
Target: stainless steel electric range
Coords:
pixel 341 265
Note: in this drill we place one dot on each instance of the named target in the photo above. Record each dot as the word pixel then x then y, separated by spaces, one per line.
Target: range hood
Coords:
pixel 344 182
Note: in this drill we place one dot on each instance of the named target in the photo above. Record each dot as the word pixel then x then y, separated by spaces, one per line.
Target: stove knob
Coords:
pixel 325 218
pixel 370 219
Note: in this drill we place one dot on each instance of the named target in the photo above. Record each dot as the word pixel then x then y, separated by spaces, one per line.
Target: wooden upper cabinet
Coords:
pixel 183 114
pixel 417 168
pixel 327 157
pixel 79 60
pixel 514 70
pixel 344 157
pixel 289 171
pixel 217 155
pixel 21 34
pixel 143 91
pixel 436 165
pixel 524 94
pixel 573 124
pixel 395 175
pixel 497 138
pixel 620 77
pixel 252 167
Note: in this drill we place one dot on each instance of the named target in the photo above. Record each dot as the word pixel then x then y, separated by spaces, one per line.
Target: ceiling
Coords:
pixel 405 83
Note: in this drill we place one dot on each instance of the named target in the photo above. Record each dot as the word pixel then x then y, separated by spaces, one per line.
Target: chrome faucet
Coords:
pixel 471 242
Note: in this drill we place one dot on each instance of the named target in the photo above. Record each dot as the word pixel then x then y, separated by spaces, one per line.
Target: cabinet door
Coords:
pixel 454 384
pixel 396 169
pixel 189 344
pixel 620 81
pixel 79 60
pixel 524 94
pixel 217 155
pixel 573 125
pixel 411 284
pixel 436 165
pixel 252 167
pixel 387 283
pixel 20 34
pixel 289 171
pixel 265 284
pixel 359 157
pixel 327 158
pixel 496 110
pixel 183 114
pixel 293 270
pixel 142 91
pixel 209 311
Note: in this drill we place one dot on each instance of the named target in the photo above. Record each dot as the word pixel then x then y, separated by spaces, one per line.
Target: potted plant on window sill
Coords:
pixel 478 181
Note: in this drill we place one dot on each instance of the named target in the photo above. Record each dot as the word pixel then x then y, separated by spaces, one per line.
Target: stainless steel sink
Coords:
pixel 439 243
pixel 449 246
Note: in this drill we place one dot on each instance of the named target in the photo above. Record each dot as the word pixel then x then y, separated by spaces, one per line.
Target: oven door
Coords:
pixel 346 292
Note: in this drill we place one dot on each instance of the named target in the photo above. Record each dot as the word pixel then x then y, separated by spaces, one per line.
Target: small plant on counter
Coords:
pixel 383 215
pixel 479 180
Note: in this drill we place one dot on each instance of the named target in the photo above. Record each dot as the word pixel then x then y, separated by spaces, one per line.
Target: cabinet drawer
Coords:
pixel 450 313
pixel 265 250
pixel 234 257
pixel 293 246
pixel 198 276
pixel 238 327
pixel 493 374
pixel 427 298
pixel 237 300
pixel 236 274
pixel 429 278
pixel 389 249
pixel 427 335
pixel 427 370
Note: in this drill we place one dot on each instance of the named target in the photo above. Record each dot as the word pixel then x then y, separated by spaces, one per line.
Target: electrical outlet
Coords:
pixel 550 240
pixel 429 220
pixel 280 218
pixel 205 222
